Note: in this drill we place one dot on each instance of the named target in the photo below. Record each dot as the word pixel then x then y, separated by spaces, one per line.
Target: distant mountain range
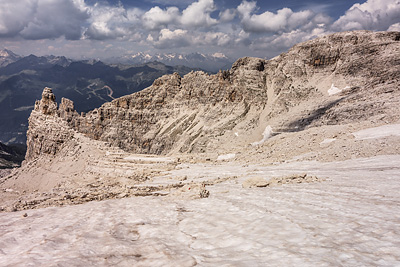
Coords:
pixel 211 62
pixel 88 83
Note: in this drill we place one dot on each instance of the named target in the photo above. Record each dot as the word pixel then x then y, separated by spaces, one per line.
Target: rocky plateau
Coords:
pixel 297 122
pixel 302 105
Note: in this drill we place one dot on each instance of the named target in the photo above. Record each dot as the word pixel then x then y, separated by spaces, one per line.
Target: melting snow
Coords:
pixel 327 141
pixel 351 220
pixel 378 132
pixel 266 135
pixel 334 90
pixel 226 157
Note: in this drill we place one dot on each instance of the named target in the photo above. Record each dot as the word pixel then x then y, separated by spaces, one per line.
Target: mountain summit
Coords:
pixel 7 57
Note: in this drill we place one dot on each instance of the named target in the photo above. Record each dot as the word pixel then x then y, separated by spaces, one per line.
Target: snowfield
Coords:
pixel 351 219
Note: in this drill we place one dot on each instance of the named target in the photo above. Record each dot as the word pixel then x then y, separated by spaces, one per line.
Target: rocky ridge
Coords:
pixel 306 104
pixel 199 113
pixel 88 83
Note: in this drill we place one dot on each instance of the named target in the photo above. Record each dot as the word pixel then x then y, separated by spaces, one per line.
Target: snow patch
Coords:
pixel 334 90
pixel 226 157
pixel 378 132
pixel 148 159
pixel 335 223
pixel 266 135
pixel 219 55
pixel 327 141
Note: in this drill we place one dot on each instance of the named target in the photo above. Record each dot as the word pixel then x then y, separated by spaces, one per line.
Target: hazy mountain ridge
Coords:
pixel 211 62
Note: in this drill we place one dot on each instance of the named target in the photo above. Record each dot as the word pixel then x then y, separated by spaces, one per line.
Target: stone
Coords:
pixel 255 182
pixel 47 105
pixel 66 109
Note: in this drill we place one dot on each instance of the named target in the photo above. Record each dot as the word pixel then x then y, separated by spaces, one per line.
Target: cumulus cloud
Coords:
pixel 111 22
pixel 286 40
pixel 156 18
pixel 371 15
pixel 227 15
pixel 170 39
pixel 40 19
pixel 199 14
pixel 15 15
pixel 284 20
pixel 394 27
pixel 197 24
pixel 184 38
pixel 213 38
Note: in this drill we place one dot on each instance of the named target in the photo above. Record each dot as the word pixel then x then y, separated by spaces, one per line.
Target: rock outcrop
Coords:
pixel 202 113
pixel 308 104
pixel 48 125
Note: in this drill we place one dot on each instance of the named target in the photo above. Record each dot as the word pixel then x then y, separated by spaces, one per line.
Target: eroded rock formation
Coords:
pixel 201 112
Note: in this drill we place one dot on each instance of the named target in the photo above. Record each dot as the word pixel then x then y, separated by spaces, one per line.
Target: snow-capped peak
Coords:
pixel 219 55
pixel 211 62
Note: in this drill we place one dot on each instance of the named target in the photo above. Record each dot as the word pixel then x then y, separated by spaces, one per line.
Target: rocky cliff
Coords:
pixel 337 79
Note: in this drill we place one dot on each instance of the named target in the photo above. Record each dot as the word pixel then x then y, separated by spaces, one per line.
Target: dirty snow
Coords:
pixel 335 90
pixel 148 159
pixel 226 157
pixel 327 141
pixel 352 219
pixel 378 132
pixel 266 135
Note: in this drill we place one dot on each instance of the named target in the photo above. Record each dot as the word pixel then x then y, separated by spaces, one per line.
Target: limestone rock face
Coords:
pixel 47 105
pixel 67 110
pixel 48 128
pixel 202 113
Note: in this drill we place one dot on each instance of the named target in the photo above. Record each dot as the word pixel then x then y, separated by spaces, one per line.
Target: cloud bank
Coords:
pixel 192 24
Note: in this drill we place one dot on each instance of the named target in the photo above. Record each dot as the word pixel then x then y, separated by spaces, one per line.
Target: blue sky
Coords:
pixel 106 28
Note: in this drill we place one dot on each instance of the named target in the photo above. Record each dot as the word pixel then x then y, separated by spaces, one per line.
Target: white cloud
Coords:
pixel 156 18
pixel 243 38
pixel 394 27
pixel 284 20
pixel 278 42
pixel 198 14
pixel 195 15
pixel 213 38
pixel 371 15
pixel 170 39
pixel 184 38
pixel 111 22
pixel 41 19
pixel 195 25
pixel 15 15
pixel 227 15
pixel 172 2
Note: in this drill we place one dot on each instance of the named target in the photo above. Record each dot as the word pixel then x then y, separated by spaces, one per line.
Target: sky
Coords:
pixel 110 28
